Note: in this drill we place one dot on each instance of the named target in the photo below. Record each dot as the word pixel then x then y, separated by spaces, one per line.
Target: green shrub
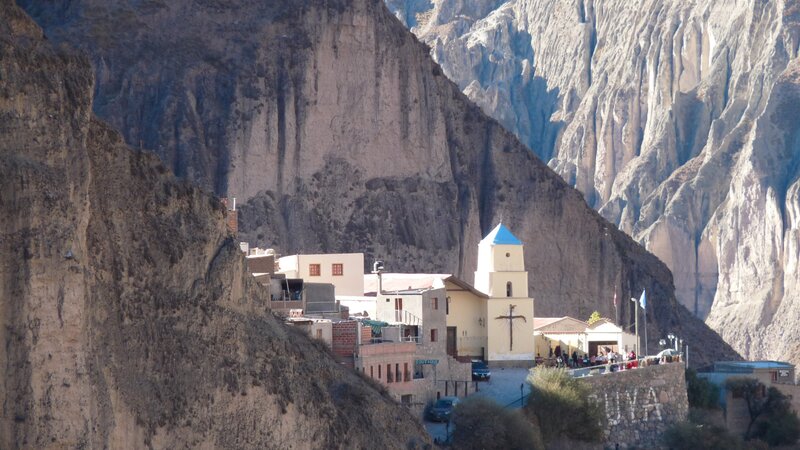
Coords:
pixel 701 392
pixel 562 407
pixel 771 417
pixel 708 437
pixel 705 429
pixel 780 425
pixel 480 423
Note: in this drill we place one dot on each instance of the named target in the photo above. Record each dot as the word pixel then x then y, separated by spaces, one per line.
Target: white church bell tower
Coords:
pixel 501 275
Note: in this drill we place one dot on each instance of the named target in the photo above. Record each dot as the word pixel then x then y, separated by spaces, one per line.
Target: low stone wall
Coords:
pixel 639 405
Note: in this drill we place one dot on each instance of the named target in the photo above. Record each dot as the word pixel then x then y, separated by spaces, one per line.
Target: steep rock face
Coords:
pixel 341 134
pixel 127 318
pixel 674 120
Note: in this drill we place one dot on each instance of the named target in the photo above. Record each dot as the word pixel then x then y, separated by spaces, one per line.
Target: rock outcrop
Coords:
pixel 127 318
pixel 676 120
pixel 341 134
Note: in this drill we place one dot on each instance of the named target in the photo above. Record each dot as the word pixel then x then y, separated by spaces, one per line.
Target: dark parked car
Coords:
pixel 442 409
pixel 480 371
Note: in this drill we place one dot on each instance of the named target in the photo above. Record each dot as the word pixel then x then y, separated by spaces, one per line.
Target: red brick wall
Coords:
pixel 233 222
pixel 366 335
pixel 345 338
pixel 232 217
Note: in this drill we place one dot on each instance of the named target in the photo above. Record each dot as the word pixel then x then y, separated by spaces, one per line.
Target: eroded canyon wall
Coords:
pixel 677 120
pixel 337 132
pixel 127 316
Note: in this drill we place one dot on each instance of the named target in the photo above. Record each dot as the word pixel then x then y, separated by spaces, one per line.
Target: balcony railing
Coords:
pixel 400 316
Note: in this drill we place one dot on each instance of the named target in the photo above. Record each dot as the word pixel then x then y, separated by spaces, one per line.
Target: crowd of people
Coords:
pixel 560 358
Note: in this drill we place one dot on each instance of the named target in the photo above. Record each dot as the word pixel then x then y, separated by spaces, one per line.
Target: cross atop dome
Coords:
pixel 501 236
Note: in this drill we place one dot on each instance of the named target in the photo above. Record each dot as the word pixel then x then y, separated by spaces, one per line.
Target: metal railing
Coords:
pixel 599 369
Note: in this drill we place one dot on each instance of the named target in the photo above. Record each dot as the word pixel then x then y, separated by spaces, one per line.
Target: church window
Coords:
pixel 508 289
pixel 508 255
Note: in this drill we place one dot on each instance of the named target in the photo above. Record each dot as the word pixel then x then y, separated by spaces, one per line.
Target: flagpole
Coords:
pixel 645 328
pixel 636 315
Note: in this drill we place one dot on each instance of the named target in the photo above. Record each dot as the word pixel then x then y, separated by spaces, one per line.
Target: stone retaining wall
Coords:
pixel 640 404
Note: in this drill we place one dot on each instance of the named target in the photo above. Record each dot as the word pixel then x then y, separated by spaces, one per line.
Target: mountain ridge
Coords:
pixel 342 135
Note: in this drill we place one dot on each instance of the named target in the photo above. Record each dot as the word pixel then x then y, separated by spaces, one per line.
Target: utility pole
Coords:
pixel 643 301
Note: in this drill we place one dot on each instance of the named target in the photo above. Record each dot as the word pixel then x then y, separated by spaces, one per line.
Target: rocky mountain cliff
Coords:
pixel 127 317
pixel 677 120
pixel 341 134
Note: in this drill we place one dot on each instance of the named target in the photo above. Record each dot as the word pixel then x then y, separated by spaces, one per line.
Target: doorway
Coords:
pixel 452 349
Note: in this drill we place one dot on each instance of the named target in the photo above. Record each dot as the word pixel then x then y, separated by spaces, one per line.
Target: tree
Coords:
pixel 562 407
pixel 480 423
pixel 779 425
pixel 701 392
pixel 770 411
pixel 752 392
pixel 594 317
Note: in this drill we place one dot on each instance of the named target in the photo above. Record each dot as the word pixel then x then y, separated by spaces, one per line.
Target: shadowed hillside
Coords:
pixel 127 318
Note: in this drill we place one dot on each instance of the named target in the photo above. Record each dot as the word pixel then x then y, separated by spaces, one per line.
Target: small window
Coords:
pixel 379 371
pixel 508 255
pixel 433 335
pixel 435 302
pixel 319 334
pixel 447 305
pixel 389 377
pixel 313 270
pixel 337 269
pixel 508 289
pixel 371 372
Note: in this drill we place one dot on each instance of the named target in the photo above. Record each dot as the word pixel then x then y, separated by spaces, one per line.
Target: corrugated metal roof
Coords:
pixel 721 366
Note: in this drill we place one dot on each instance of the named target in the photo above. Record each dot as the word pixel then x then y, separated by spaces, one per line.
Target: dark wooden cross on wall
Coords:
pixel 511 318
